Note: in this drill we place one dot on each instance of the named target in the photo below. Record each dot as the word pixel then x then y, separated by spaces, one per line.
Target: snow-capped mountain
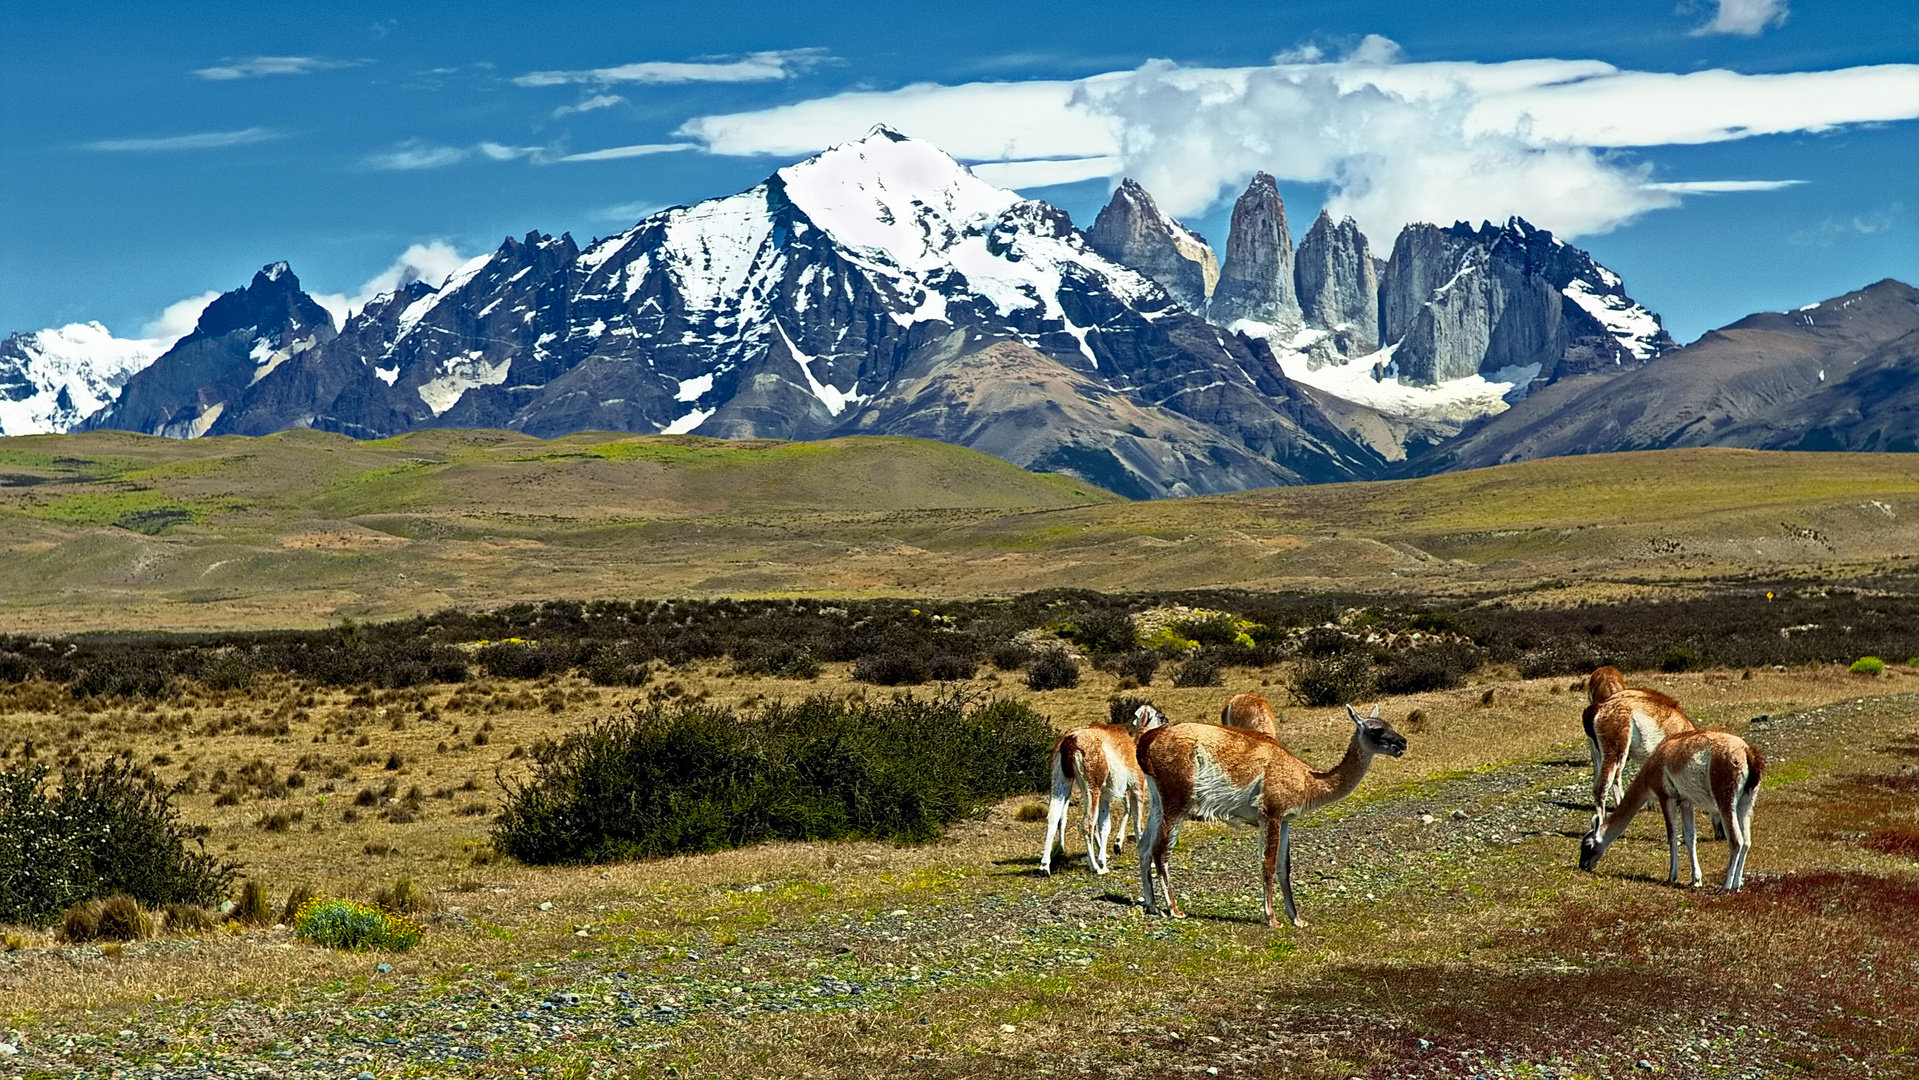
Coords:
pixel 803 307
pixel 51 380
pixel 882 288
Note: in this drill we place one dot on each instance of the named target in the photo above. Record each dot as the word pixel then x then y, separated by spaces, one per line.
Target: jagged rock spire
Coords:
pixel 1338 288
pixel 1257 280
pixel 1131 231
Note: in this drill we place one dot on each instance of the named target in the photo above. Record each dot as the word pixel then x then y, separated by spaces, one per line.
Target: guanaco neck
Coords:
pixel 1334 784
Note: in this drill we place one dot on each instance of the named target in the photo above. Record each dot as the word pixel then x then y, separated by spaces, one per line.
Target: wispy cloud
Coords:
pixel 1393 142
pixel 204 140
pixel 597 101
pixel 614 153
pixel 254 67
pixel 768 66
pixel 1720 187
pixel 1744 18
pixel 1867 224
pixel 416 154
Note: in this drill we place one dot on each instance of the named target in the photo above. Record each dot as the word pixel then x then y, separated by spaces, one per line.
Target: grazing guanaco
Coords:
pixel 1098 759
pixel 1251 712
pixel 1234 775
pixel 1625 725
pixel 1691 769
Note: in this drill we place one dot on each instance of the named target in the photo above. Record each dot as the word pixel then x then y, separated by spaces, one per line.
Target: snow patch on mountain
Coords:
pixel 52 379
pixel 1637 329
pixel 1372 380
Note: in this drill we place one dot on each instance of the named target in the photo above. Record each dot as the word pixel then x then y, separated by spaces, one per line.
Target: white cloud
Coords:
pixel 768 66
pixel 1393 142
pixel 179 318
pixel 204 140
pixel 1746 18
pixel 1047 171
pixel 597 101
pixel 613 153
pixel 416 154
pixel 254 67
pixel 431 262
pixel 1719 187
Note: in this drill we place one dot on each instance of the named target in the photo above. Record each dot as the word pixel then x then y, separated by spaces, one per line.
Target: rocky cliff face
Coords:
pixel 1838 375
pixel 1131 230
pixel 242 338
pixel 1337 287
pixel 848 293
pixel 1457 302
pixel 1256 284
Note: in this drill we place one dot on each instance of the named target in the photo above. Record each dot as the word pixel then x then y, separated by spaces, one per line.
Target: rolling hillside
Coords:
pixel 112 530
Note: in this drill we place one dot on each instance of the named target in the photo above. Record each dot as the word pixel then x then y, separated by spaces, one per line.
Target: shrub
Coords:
pixel 100 832
pixel 253 909
pixel 700 778
pixel 1326 641
pixel 1681 658
pixel 1103 631
pixel 300 894
pixel 1216 629
pixel 1030 812
pixel 911 667
pixel 1140 665
pixel 343 924
pixel 188 919
pixel 118 918
pixel 1169 643
pixel 1201 669
pixel 1052 669
pixel 1430 667
pixel 527 659
pixel 1012 655
pixel 616 665
pixel 1332 680
pixel 780 662
pixel 404 897
pixel 1867 665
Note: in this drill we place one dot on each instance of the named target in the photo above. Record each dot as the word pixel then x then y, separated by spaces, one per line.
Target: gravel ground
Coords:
pixel 623 998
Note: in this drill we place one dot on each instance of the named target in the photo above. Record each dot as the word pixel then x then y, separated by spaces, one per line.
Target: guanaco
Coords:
pixel 1099 759
pixel 1624 725
pixel 1251 712
pixel 1247 777
pixel 1691 769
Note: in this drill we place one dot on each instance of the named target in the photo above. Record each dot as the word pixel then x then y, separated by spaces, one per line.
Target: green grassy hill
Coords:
pixel 109 529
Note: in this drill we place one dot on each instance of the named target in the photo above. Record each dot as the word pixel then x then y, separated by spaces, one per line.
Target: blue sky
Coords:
pixel 158 152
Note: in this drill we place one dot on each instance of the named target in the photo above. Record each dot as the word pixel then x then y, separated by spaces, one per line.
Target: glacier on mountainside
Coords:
pixel 52 379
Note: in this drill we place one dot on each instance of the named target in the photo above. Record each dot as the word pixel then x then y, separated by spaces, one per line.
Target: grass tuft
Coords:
pixel 344 924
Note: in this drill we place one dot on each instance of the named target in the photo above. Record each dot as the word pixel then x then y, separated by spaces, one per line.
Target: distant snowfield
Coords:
pixel 67 373
pixel 1454 401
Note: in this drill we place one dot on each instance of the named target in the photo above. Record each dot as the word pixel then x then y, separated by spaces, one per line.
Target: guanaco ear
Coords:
pixel 1358 720
pixel 1375 714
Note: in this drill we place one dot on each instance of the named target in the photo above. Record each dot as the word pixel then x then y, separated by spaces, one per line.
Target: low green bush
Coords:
pixel 102 830
pixel 699 777
pixel 1201 669
pixel 1052 669
pixel 1867 665
pixel 1336 679
pixel 344 924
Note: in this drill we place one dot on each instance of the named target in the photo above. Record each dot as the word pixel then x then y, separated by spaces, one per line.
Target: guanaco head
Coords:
pixel 1590 849
pixel 1377 734
pixel 1146 718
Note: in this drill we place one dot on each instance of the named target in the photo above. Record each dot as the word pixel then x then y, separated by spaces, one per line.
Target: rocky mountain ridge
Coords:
pixel 880 287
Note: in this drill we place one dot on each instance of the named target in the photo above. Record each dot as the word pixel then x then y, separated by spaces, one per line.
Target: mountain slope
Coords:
pixel 790 310
pixel 1769 380
pixel 51 380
